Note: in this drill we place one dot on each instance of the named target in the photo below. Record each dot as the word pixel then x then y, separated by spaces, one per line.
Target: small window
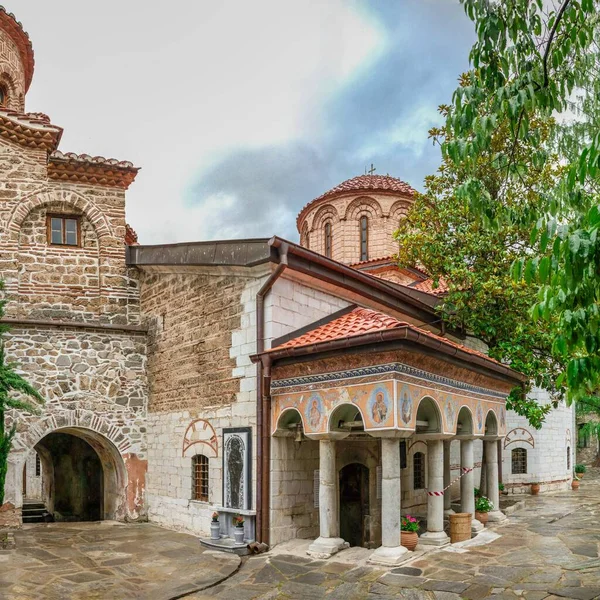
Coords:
pixel 63 230
pixel 38 466
pixel 519 461
pixel 328 240
pixel 419 471
pixel 568 459
pixel 3 97
pixel 200 478
pixel 364 238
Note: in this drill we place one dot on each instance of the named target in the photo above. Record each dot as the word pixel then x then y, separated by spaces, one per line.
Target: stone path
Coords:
pixel 549 550
pixel 108 561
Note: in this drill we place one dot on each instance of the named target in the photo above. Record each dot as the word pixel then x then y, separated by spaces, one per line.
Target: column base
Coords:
pixel 388 556
pixel 476 526
pixel 434 538
pixel 448 512
pixel 324 547
pixel 496 516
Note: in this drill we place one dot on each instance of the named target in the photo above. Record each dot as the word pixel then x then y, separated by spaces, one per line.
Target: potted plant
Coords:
pixel 409 537
pixel 483 505
pixel 579 471
pixel 238 531
pixel 502 489
pixel 575 484
pixel 215 527
pixel 535 488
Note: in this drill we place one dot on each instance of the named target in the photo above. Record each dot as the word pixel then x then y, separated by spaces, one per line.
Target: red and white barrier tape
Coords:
pixel 464 470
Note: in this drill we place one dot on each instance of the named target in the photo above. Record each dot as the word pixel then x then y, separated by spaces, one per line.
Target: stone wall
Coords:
pixel 12 73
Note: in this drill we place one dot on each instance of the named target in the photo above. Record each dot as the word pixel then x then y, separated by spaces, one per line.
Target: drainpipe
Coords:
pixel 263 406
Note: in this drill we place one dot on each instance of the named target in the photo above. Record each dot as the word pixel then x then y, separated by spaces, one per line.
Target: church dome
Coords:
pixel 16 62
pixel 355 221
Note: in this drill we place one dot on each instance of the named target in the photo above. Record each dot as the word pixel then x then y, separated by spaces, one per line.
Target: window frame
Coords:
pixel 64 218
pixel 200 468
pixel 328 239
pixel 522 459
pixel 364 240
pixel 422 474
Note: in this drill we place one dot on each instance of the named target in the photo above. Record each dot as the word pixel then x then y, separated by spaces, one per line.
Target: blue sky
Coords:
pixel 240 113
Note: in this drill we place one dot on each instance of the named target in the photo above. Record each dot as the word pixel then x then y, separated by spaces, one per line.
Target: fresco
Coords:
pixel 375 402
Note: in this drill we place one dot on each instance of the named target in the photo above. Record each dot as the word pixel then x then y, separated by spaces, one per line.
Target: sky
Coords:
pixel 238 112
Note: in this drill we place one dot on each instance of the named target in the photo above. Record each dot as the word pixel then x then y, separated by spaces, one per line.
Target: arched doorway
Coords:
pixel 76 486
pixel 354 503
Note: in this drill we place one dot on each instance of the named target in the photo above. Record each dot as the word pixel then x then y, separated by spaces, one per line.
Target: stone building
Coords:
pixel 73 308
pixel 310 388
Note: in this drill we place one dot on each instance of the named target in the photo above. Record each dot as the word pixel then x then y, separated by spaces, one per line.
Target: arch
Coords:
pixel 323 213
pixel 429 411
pixel 115 475
pixel 491 423
pixel 464 421
pixel 344 412
pixel 200 434
pixel 44 198
pixel 289 418
pixel 10 77
pixel 519 435
pixel 363 205
pixel 399 209
pixel 305 236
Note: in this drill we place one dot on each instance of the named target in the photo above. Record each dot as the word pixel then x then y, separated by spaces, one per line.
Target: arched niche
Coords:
pixel 429 417
pixel 464 422
pixel 491 424
pixel 289 424
pixel 346 418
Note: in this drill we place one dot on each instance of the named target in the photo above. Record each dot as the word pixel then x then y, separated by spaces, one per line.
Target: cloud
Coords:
pixel 381 114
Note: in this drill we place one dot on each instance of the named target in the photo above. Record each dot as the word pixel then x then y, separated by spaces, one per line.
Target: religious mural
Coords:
pixel 236 467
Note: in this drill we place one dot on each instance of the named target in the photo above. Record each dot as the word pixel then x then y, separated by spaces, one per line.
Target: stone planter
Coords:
pixel 535 489
pixel 238 534
pixel 575 484
pixel 215 530
pixel 409 539
pixel 482 517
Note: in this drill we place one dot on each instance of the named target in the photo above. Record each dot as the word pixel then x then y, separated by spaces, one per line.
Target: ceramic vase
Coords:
pixel 215 530
pixel 535 489
pixel 409 539
pixel 238 534
pixel 481 517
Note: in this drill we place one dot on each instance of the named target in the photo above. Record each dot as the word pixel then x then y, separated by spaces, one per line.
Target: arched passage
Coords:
pixel 85 477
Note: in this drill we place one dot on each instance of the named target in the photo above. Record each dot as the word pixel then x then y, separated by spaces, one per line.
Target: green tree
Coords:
pixel 533 63
pixel 444 234
pixel 11 382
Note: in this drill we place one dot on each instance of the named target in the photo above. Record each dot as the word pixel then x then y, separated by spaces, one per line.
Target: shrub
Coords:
pixel 409 523
pixel 483 504
pixel 580 469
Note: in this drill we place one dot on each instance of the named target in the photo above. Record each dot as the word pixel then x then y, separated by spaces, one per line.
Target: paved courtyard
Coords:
pixel 549 549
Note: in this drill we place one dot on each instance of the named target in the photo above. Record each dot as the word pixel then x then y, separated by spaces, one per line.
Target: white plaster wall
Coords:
pixel 34 482
pixel 547 460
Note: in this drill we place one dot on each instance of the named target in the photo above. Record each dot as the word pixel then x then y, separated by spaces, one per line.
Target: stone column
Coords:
pixel 328 542
pixel 467 484
pixel 491 464
pixel 390 552
pixel 435 534
pixel 447 477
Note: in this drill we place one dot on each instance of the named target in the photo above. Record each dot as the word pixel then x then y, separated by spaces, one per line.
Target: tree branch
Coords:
pixel 559 16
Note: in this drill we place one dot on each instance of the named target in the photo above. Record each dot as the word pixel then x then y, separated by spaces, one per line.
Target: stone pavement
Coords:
pixel 108 561
pixel 549 550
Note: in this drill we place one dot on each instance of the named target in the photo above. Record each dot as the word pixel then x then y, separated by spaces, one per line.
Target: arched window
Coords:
pixel 200 478
pixel 364 238
pixel 305 238
pixel 419 471
pixel 568 458
pixel 328 240
pixel 519 461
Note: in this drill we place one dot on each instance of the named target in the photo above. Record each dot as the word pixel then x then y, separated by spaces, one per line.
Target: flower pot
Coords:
pixel 575 484
pixel 535 489
pixel 238 534
pixel 579 475
pixel 215 530
pixel 409 539
pixel 481 517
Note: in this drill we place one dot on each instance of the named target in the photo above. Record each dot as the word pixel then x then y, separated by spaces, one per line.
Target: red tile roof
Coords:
pixel 427 286
pixel 364 183
pixel 361 321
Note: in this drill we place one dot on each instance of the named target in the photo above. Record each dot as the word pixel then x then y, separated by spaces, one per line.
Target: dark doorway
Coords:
pixel 24 490
pixel 354 503
pixel 78 485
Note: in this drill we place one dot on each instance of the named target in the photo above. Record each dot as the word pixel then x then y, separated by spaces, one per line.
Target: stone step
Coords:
pixel 33 519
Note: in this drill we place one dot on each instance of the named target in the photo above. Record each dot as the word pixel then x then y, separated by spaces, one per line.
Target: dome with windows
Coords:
pixel 354 222
pixel 16 62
